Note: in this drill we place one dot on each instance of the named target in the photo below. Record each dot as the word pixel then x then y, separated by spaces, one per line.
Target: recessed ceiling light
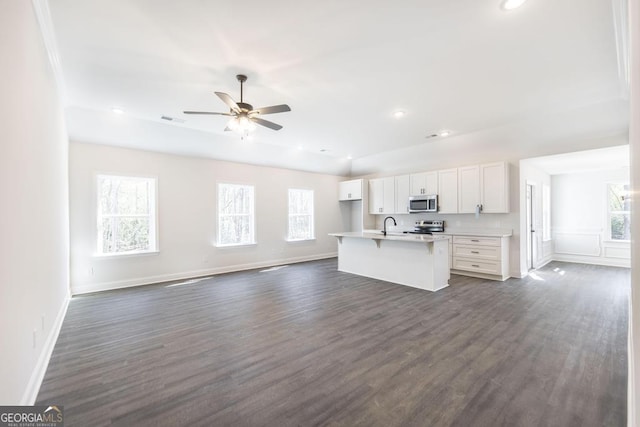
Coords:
pixel 117 110
pixel 349 157
pixel 399 114
pixel 512 4
pixel 444 133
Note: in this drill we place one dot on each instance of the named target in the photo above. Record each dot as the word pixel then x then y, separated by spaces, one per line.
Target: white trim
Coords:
pixel 610 262
pixel 124 254
pixel 106 286
pixel 43 16
pixel 33 387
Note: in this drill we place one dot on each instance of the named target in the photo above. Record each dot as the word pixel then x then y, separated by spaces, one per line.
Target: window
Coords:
pixel 619 211
pixel 126 214
pixel 300 214
pixel 546 213
pixel 235 215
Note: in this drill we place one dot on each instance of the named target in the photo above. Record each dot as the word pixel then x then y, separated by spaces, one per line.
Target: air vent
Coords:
pixel 172 119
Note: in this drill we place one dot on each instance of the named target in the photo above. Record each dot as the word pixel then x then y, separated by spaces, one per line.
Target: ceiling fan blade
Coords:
pixel 229 101
pixel 266 123
pixel 207 112
pixel 273 109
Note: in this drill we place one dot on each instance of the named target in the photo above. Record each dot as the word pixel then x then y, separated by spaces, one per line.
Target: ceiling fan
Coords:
pixel 243 116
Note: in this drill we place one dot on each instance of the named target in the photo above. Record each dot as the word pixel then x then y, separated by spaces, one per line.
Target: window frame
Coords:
pixel 154 243
pixel 609 212
pixel 312 215
pixel 252 216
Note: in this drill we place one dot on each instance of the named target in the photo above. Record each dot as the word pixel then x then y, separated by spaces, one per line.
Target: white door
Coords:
pixel 531 236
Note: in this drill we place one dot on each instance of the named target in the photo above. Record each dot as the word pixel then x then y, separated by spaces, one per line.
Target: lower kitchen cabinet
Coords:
pixel 481 256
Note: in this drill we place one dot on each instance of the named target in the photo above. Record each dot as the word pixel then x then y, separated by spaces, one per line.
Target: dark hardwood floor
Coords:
pixel 306 345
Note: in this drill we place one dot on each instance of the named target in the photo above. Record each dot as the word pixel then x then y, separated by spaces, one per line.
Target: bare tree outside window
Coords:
pixel 300 215
pixel 126 214
pixel 619 211
pixel 235 214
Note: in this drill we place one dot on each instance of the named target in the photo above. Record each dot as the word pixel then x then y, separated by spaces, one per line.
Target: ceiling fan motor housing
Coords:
pixel 244 106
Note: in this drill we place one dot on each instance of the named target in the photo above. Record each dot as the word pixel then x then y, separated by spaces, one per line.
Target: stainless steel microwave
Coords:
pixel 423 203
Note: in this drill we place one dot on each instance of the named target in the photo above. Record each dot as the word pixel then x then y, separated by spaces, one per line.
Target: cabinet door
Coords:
pixel 431 182
pixel 424 183
pixel 403 187
pixel 382 195
pixel 494 187
pixel 350 190
pixel 468 189
pixel 376 196
pixel 389 194
pixel 448 191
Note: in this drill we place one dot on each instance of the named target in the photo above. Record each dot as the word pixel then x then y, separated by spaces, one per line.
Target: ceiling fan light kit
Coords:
pixel 243 116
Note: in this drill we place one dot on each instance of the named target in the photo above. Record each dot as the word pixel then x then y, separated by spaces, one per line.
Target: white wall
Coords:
pixel 187 217
pixel 579 218
pixel 34 216
pixel 634 142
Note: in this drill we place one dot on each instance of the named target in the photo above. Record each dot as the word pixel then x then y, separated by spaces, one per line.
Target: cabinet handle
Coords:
pixel 475 240
pixel 475 252
pixel 475 265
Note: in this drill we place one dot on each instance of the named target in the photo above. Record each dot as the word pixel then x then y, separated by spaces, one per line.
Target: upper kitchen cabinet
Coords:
pixel 350 190
pixel 382 195
pixel 403 191
pixel 448 191
pixel 424 183
pixel 485 186
pixel 494 187
pixel 468 189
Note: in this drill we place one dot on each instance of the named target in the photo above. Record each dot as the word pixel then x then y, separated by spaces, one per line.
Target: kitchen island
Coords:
pixel 419 261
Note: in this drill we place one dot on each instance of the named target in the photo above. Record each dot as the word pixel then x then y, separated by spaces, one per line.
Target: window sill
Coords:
pixel 125 254
pixel 625 242
pixel 311 239
pixel 234 245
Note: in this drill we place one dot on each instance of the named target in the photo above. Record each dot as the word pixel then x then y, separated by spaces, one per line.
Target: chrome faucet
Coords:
pixel 384 224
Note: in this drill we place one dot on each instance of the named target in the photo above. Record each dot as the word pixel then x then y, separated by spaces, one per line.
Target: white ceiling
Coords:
pixel 343 66
pixel 583 161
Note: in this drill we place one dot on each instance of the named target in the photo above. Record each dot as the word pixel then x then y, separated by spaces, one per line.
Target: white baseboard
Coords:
pixel 106 286
pixel 33 387
pixel 610 262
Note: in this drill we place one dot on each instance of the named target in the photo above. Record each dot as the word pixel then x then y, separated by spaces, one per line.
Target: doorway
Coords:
pixel 531 240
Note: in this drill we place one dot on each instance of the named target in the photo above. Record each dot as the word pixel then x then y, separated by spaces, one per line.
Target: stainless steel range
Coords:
pixel 427 227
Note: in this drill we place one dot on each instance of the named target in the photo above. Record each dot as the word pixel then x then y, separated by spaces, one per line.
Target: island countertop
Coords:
pixel 402 237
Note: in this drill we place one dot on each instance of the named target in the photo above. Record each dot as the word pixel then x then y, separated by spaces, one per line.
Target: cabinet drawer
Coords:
pixel 472 240
pixel 487 267
pixel 477 252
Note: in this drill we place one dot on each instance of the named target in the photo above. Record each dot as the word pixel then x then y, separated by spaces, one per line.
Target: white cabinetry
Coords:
pixel 468 189
pixel 484 185
pixel 494 187
pixel 403 187
pixel 448 191
pixel 486 257
pixel 424 183
pixel 350 190
pixel 382 195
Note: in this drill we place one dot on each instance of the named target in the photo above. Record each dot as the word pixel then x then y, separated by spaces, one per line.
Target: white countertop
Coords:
pixel 415 238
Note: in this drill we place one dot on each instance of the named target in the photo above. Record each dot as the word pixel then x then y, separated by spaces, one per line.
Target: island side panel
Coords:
pixel 406 263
